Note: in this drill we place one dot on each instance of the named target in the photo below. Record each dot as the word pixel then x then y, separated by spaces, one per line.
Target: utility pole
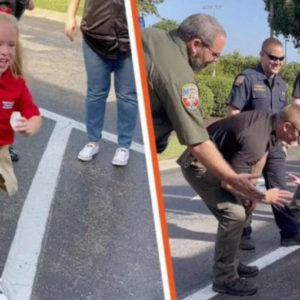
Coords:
pixel 271 18
pixel 213 7
pixel 285 49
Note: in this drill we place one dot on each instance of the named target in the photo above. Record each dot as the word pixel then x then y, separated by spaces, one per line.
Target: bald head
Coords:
pixel 270 43
pixel 290 113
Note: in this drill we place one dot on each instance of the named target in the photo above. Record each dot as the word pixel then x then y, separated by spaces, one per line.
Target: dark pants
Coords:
pixel 274 175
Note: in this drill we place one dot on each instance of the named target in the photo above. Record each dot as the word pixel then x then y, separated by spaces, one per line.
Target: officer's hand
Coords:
pixel 71 28
pixel 277 197
pixel 294 179
pixel 243 184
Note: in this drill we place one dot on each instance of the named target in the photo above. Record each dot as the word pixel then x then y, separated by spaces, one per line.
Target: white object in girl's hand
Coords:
pixel 14 119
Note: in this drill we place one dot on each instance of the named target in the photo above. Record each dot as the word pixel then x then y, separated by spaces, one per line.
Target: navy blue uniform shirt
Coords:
pixel 296 90
pixel 253 90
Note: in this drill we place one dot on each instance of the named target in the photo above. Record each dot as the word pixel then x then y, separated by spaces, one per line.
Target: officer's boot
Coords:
pixel 236 287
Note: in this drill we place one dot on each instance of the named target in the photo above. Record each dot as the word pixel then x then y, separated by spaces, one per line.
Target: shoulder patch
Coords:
pixel 239 80
pixel 190 96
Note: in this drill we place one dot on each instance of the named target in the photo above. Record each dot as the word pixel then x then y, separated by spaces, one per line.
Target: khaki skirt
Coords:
pixel 8 180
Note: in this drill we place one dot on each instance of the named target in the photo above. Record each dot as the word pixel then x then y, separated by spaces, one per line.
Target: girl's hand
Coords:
pixel 277 197
pixel 24 127
pixel 294 179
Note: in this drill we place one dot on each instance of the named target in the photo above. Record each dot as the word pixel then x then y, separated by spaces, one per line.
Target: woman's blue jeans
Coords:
pixel 99 71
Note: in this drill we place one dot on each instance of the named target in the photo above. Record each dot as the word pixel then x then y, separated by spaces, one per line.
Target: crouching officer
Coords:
pixel 244 141
pixel 261 88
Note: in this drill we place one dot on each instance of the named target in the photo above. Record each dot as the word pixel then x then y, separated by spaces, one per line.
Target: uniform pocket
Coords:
pixel 259 94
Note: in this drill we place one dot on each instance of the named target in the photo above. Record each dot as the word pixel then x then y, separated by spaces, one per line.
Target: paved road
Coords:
pixel 192 232
pixel 80 231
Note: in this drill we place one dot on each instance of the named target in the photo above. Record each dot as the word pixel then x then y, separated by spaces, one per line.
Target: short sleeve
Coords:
pixel 251 149
pixel 25 104
pixel 240 92
pixel 296 89
pixel 182 106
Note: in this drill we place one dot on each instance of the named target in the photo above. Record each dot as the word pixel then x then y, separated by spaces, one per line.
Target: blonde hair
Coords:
pixel 17 65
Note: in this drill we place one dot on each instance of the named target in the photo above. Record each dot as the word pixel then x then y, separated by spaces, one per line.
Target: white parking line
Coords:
pixel 21 266
pixel 207 292
pixel 80 126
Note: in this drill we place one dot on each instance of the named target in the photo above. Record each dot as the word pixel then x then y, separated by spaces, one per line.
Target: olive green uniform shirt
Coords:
pixel 173 90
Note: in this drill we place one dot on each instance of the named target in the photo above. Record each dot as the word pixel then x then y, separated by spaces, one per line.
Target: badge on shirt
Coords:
pixel 258 87
pixel 239 80
pixel 190 96
pixel 7 104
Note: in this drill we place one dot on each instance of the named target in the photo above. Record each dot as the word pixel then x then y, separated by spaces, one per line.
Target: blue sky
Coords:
pixel 245 22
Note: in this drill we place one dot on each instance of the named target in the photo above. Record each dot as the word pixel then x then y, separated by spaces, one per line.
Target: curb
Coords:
pixel 168 164
pixel 49 15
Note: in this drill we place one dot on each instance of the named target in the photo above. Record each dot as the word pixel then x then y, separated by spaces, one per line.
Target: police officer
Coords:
pixel 261 88
pixel 244 141
pixel 171 60
pixel 296 90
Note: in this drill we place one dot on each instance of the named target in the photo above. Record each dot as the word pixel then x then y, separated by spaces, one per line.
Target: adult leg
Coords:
pixel 126 100
pixel 98 72
pixel 231 217
pixel 275 177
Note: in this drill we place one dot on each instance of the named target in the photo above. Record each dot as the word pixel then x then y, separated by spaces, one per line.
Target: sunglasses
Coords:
pixel 273 57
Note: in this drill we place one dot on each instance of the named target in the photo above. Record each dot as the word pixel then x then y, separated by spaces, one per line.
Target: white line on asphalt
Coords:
pixel 80 126
pixel 22 262
pixel 263 216
pixel 292 166
pixel 207 292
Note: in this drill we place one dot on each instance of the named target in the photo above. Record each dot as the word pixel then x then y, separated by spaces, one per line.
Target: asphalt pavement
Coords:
pixel 74 231
pixel 192 232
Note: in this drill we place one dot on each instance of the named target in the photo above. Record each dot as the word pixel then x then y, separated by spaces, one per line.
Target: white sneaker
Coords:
pixel 121 157
pixel 87 153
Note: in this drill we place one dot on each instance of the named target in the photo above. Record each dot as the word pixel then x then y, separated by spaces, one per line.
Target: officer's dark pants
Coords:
pixel 295 206
pixel 230 214
pixel 274 174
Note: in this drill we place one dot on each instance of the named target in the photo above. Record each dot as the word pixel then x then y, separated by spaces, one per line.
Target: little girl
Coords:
pixel 14 97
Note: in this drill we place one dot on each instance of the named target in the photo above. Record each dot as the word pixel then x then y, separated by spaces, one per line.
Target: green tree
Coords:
pixel 166 24
pixel 234 63
pixel 289 72
pixel 286 19
pixel 148 7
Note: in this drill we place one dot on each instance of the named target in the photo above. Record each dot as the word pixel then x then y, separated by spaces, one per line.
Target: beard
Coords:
pixel 197 62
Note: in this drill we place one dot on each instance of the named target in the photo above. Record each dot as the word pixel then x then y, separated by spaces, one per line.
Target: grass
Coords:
pixel 174 149
pixel 57 5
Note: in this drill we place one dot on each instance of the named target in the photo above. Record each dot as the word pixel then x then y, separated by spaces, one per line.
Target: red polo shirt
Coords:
pixel 14 96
